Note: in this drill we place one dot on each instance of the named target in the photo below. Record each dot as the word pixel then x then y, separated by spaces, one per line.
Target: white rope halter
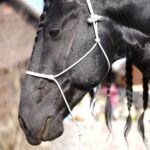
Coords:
pixel 93 19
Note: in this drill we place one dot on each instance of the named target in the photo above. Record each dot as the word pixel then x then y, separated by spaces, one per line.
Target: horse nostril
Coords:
pixel 23 124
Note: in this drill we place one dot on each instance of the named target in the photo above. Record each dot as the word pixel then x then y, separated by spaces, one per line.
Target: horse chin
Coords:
pixel 33 141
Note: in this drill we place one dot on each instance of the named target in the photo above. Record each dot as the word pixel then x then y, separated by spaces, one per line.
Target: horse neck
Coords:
pixel 120 11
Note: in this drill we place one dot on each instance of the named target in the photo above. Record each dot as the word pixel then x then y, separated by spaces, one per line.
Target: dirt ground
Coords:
pixel 95 138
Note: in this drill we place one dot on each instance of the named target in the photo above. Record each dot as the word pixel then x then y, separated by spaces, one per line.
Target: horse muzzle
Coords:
pixel 51 129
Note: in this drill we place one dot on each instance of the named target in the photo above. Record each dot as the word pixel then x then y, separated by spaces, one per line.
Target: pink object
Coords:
pixel 113 94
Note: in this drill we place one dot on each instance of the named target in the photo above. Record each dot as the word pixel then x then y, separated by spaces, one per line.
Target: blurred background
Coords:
pixel 18 24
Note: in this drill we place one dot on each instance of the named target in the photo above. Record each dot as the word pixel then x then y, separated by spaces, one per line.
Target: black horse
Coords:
pixel 63 37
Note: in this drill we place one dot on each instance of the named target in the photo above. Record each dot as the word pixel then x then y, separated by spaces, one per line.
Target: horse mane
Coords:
pixel 129 94
pixel 108 106
pixel 134 36
pixel 42 18
pixel 145 105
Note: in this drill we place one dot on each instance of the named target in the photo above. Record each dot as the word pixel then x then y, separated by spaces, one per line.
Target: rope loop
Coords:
pixel 94 18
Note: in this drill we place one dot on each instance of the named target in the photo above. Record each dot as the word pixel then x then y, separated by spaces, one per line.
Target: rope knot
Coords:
pixel 50 77
pixel 97 40
pixel 94 18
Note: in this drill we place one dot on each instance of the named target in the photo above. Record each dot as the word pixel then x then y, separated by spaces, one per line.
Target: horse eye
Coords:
pixel 54 33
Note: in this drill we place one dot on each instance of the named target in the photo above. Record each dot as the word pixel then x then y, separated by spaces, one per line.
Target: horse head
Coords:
pixel 64 36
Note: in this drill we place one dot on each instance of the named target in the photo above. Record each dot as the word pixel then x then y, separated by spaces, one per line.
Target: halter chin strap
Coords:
pixel 93 19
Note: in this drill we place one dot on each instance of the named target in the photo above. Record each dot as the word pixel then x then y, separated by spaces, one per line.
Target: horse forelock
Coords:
pixel 42 18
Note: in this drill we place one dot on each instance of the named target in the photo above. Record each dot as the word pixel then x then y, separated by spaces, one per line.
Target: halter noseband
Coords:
pixel 93 19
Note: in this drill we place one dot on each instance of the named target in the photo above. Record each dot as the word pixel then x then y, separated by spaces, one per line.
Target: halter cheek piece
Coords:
pixel 93 19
